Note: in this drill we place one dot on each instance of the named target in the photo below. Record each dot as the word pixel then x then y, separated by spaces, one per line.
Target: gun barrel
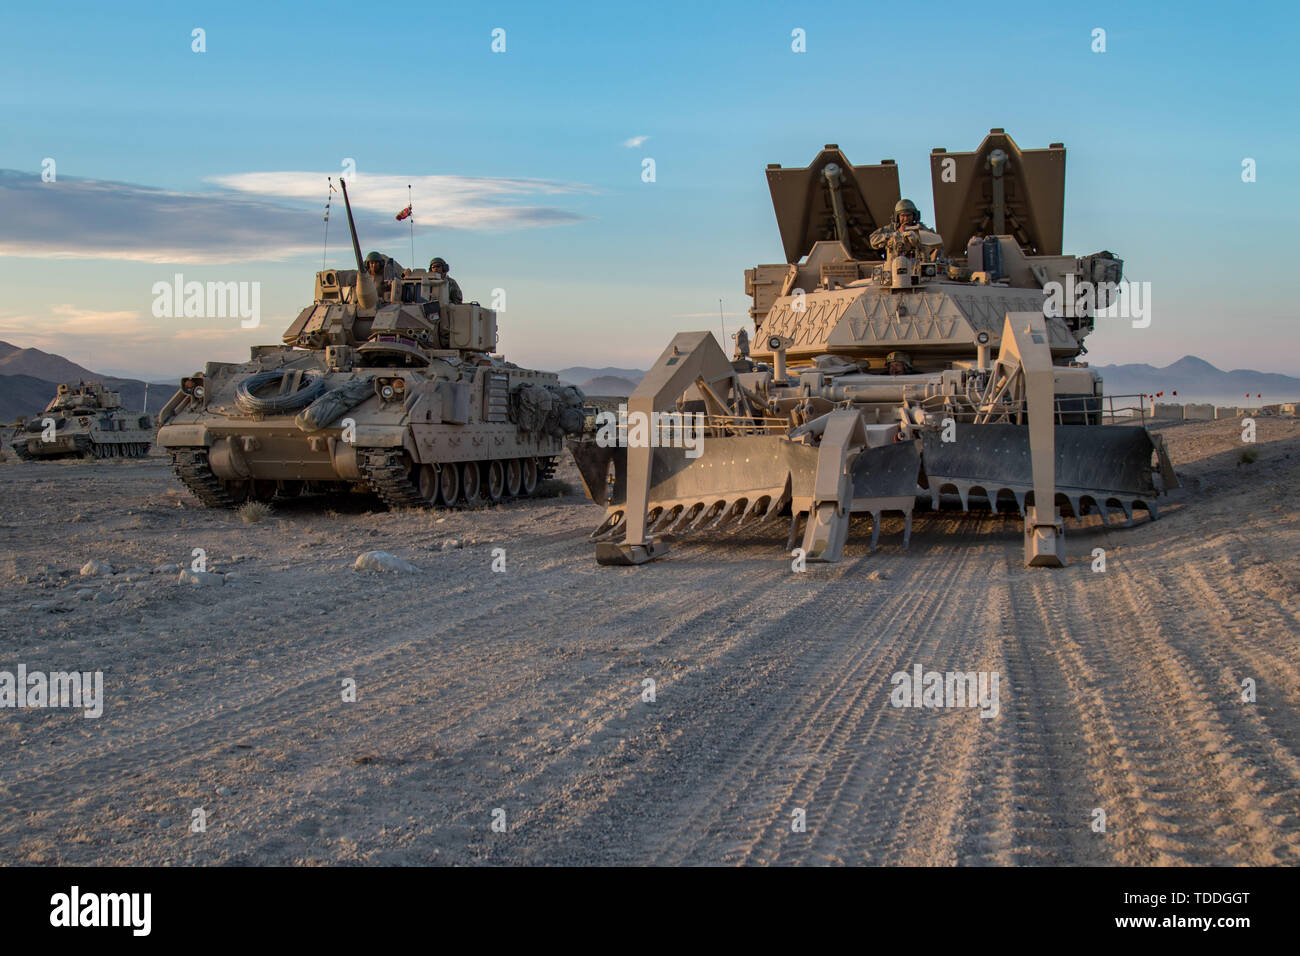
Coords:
pixel 367 295
pixel 352 227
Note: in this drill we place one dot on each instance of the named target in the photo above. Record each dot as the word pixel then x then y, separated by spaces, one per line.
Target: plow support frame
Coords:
pixel 690 356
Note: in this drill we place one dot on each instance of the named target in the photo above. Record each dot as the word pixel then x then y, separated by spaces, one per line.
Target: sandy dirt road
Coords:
pixel 523 691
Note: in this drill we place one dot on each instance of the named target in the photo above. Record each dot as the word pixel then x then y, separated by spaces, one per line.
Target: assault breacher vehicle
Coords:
pixel 85 420
pixel 389 387
pixel 892 362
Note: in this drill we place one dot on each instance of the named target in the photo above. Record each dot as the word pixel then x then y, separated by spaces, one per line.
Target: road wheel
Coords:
pixel 427 481
pixel 496 481
pixel 514 477
pixel 530 475
pixel 471 491
pixel 448 484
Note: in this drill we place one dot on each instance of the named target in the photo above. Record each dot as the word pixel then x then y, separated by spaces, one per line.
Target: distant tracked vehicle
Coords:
pixel 85 420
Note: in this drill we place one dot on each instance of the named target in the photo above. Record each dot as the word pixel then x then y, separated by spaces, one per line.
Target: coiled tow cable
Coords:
pixel 312 389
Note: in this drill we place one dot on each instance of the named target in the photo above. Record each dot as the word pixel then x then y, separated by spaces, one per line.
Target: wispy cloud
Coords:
pixel 635 141
pixel 65 320
pixel 251 216
pixel 102 333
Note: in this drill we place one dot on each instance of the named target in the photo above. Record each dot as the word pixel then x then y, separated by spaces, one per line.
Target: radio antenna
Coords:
pixel 328 196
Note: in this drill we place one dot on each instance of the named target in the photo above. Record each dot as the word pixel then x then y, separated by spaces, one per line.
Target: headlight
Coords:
pixel 387 393
pixel 198 391
pixel 774 343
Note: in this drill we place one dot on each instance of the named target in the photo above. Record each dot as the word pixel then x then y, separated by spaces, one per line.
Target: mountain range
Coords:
pixel 1196 380
pixel 29 378
pixel 607 382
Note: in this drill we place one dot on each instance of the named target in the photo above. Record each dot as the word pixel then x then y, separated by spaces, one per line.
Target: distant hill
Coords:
pixel 579 374
pixel 38 364
pixel 1196 380
pixel 610 386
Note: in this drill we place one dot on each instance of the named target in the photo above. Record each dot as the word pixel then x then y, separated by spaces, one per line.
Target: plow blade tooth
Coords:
pixel 727 514
pixel 875 529
pixel 757 512
pixel 686 518
pixel 667 516
pixel 707 516
pixel 797 522
pixel 607 528
pixel 885 478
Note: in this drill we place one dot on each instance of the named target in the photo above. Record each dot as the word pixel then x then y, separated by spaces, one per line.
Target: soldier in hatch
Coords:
pixel 377 267
pixel 441 270
pixel 907 235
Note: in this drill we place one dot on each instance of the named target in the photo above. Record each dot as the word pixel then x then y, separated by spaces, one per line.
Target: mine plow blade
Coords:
pixel 736 483
pixel 1096 467
pixel 884 478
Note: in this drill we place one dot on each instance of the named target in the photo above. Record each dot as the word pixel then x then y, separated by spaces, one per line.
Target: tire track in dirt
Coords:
pixel 823 667
pixel 1246 753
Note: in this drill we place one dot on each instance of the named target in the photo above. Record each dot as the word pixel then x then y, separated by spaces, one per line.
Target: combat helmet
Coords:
pixel 906 205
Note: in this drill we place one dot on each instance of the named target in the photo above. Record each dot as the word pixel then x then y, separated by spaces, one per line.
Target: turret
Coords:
pixel 857 284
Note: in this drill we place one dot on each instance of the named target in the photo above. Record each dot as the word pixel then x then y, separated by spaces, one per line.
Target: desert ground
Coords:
pixel 522 691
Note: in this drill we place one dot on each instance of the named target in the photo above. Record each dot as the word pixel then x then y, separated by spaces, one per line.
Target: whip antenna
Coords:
pixel 328 196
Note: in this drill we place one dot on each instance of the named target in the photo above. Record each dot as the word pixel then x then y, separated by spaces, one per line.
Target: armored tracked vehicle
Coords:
pixel 85 420
pixel 893 364
pixel 385 383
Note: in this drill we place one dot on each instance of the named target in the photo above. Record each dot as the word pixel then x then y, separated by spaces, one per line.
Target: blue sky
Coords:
pixel 526 182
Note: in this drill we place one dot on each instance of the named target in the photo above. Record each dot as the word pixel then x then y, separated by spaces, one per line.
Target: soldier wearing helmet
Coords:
pixel 377 267
pixel 438 266
pixel 906 217
pixel 906 235
pixel 899 363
